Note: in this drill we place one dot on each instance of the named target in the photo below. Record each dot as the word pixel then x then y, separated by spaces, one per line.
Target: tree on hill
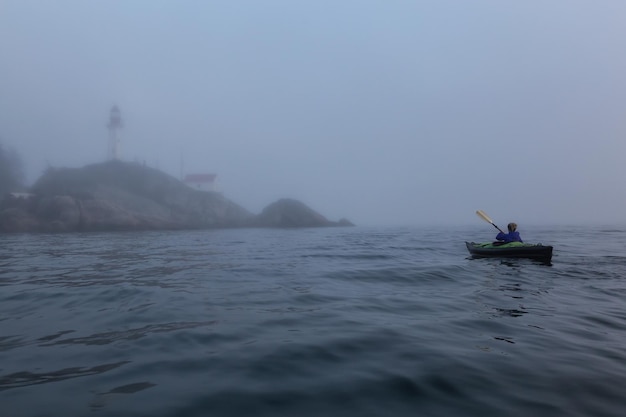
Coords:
pixel 11 170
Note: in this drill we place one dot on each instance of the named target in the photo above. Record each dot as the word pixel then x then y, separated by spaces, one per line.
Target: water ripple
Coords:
pixel 25 378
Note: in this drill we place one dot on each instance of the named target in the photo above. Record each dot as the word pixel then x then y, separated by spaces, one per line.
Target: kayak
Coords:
pixel 510 250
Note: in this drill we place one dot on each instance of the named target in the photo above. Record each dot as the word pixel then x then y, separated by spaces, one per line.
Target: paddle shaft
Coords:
pixel 497 228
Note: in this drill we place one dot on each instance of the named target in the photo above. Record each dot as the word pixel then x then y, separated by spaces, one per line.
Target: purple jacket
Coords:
pixel 509 237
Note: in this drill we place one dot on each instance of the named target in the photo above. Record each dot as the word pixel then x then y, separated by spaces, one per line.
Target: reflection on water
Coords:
pixel 131 334
pixel 101 400
pixel 25 378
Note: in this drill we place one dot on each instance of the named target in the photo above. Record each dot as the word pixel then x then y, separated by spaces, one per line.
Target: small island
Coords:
pixel 121 196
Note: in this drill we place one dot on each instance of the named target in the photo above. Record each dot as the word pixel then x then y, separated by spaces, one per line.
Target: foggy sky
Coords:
pixel 384 112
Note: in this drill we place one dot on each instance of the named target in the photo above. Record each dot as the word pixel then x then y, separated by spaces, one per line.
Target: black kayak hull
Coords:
pixel 488 250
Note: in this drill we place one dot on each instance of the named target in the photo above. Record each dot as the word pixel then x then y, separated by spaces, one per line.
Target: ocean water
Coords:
pixel 311 322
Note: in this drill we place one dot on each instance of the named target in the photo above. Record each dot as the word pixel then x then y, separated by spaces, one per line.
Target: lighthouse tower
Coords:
pixel 115 124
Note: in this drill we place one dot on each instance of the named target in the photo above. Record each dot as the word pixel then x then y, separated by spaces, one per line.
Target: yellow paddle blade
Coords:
pixel 484 216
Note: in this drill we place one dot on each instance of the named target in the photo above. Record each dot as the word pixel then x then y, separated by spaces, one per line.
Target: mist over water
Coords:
pixel 341 321
pixel 385 113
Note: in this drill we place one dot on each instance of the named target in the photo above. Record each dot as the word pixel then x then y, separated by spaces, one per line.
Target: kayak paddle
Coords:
pixel 486 218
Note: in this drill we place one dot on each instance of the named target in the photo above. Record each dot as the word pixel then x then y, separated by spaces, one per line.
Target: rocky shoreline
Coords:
pixel 117 196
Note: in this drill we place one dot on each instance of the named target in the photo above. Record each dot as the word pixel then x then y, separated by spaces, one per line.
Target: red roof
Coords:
pixel 200 177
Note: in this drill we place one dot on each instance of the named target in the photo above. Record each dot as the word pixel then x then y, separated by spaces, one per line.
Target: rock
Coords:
pixel 291 213
pixel 121 196
pixel 128 196
pixel 60 211
pixel 345 223
pixel 17 219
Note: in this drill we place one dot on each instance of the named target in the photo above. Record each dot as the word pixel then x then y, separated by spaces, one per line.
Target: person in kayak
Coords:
pixel 512 236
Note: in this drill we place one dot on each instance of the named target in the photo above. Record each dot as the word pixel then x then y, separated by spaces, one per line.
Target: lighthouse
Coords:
pixel 115 124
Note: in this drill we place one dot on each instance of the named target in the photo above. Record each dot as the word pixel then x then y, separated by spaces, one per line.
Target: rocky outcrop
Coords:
pixel 292 213
pixel 17 219
pixel 116 196
pixel 127 196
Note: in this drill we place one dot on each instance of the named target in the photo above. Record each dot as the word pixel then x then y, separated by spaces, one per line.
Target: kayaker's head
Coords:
pixel 512 227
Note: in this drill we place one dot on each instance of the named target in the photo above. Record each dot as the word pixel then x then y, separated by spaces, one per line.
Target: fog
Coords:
pixel 400 113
